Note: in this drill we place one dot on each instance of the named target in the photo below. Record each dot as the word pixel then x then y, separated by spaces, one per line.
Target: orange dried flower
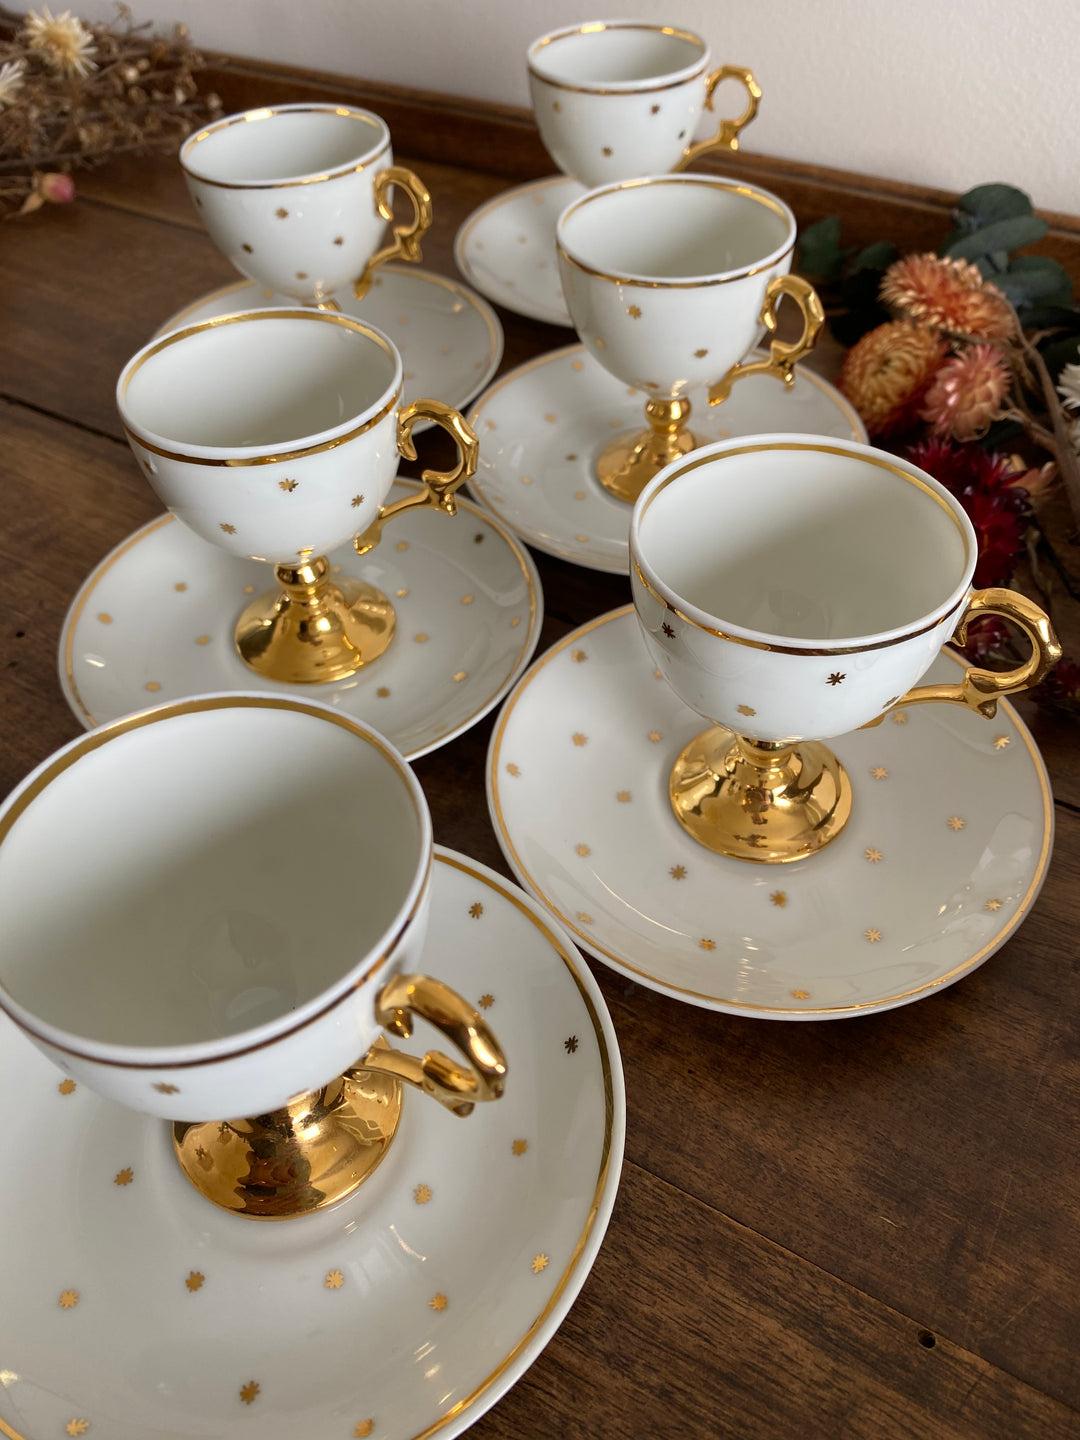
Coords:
pixel 967 393
pixel 887 372
pixel 948 294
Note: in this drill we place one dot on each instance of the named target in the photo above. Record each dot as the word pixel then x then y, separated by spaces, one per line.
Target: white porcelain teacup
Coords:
pixel 245 880
pixel 298 196
pixel 619 98
pixel 275 435
pixel 670 280
pixel 793 588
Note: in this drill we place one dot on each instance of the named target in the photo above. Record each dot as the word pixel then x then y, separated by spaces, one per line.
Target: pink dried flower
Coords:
pixel 967 393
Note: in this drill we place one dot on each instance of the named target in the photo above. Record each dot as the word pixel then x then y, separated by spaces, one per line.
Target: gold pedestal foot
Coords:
pixel 312 631
pixel 305 1157
pixel 627 465
pixel 754 801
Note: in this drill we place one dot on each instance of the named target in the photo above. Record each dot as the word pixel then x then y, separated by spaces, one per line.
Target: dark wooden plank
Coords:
pixel 693 1328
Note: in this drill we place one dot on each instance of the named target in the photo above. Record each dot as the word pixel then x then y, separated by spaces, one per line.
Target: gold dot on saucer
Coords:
pixel 1001 742
pixel 873 856
pixel 105 618
pixel 152 686
pixel 124 1177
pixel 195 1280
pixel 899 717
pixel 658 674
pixel 992 905
pixel 69 1299
pixel 518 1147
pixel 476 909
pixel 402 592
pixel 447 350
pixel 579 494
pixel 402 319
pixel 577 365
pixel 578 656
pixel 583 849
pixel 873 935
pixel 229 529
pixel 486 1001
pixel 288 485
pixel 202 639
pixel 247 248
pixel 364 1428
pixel 778 898
pixel 523 239
pixel 655 736
pixel 466 599
pixel 339 239
pixel 800 994
pixel 581 539
pixel 634 311
pixel 700 354
pixel 422 1194
pixel 707 944
pixel 478 539
pixel 584 917
pixel 409 375
pixel 268 294
pixel 515 622
pixel 282 213
pixel 623 796
pixel 438 1302
pixel 600 344
pixel 67 1087
pixel 249 1391
pixel 678 872
pixel 334 1280
pixel 556 107
pixel 540 1262
pixel 382 692
pixel 458 676
pixel 513 769
pixel 77 1427
pixel 654 109
pixel 420 638
pixel 579 739
pixel 249 589
pixel 955 823
pixel 402 544
pixel 746 709
pixel 164 1088
pixel 879 772
pixel 606 150
pixel 180 586
pixel 526 479
pixel 550 418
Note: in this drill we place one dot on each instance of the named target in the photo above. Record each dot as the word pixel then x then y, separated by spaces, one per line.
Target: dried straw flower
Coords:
pixel 1068 387
pixel 61 40
pixel 11 81
pixel 949 295
pixel 968 392
pixel 886 374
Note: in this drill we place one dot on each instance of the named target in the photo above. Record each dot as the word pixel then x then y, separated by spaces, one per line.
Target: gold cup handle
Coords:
pixel 406 239
pixel 439 486
pixel 727 137
pixel 458 1087
pixel 980 690
pixel 782 356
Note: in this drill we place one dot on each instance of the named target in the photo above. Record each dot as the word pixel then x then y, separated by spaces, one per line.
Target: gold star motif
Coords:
pixel 835 678
pixel 124 1177
pixel 992 905
pixel 584 917
pixel 899 717
pixel 288 485
pixel 955 823
pixel 678 872
pixel 607 150
pixel 779 898
pixel 67 1087
pixel 746 709
pixel 873 935
pixel 654 109
pixel 467 599
pixel 570 1044
pixel 557 107
pixel 655 736
pixel 879 772
pixel 105 618
pixel 872 855
pixel 249 1391
pixel 163 1088
pixel 540 1262
pixel 77 1427
pixel 579 739
pixel 458 676
pixel 623 796
pixel 229 529
pixel 364 1428
pixel 382 692
pixel 519 1147
pixel 668 631
pixel 202 639
pixel 438 1302
pixel 402 545
pixel 486 1001
pixel 356 500
pixel 583 849
pixel 707 944
pixel 578 656
pixel 195 1280
pixel 69 1299
pixel 550 418
pixel 476 910
pixel 421 638
pixel 1001 742
pixel 339 239
pixel 800 994
pixel 282 213
pixel 180 586
pixel 512 769
pixel 334 1280
pixel 247 248
pixel 700 354
pixel 634 311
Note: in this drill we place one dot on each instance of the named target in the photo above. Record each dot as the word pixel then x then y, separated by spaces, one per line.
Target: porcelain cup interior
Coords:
pixel 271 433
pixel 617 98
pixel 286 193
pixel 240 874
pixel 665 276
pixel 794 588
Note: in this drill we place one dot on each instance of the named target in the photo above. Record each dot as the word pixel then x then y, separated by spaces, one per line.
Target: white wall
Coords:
pixel 947 93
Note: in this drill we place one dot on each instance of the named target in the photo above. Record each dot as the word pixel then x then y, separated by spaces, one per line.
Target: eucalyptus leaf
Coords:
pixel 1008 234
pixel 1053 317
pixel 820 252
pixel 1025 287
pixel 878 256
pixel 989 203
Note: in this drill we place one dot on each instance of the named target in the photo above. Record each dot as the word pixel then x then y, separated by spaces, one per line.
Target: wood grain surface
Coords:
pixel 864 1228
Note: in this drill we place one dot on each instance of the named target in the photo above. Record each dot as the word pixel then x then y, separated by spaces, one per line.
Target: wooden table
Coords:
pixel 858 1228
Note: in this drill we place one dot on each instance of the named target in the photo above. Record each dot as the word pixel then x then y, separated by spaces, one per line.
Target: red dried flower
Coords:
pixel 887 372
pixel 985 484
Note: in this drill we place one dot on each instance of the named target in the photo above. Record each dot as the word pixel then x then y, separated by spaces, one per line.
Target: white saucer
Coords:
pixel 450 340
pixel 542 425
pixel 154 622
pixel 945 852
pixel 506 248
pixel 133 1308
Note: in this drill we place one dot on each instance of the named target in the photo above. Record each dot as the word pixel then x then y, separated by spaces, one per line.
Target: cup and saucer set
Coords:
pixel 735 790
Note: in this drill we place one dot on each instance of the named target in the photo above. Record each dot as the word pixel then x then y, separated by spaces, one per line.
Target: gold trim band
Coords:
pixel 645 88
pixel 760 197
pixel 267 113
pixel 216 322
pixel 96 738
pixel 623 965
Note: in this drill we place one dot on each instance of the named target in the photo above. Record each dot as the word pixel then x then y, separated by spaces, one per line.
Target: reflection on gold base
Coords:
pixel 754 801
pixel 627 465
pixel 310 1154
pixel 312 631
